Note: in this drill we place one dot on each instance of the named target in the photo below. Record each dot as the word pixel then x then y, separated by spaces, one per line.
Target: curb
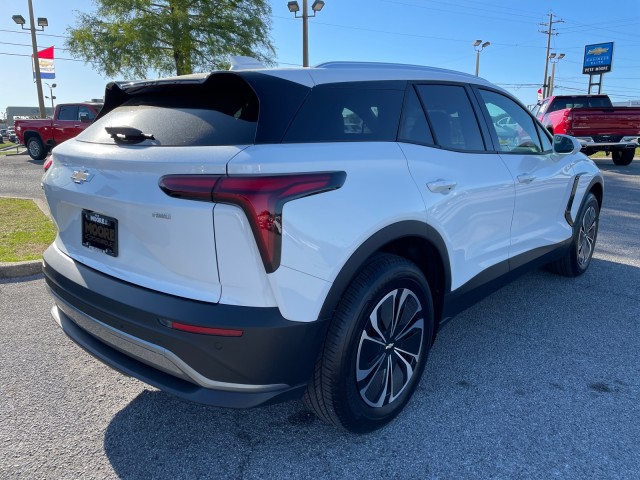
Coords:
pixel 20 269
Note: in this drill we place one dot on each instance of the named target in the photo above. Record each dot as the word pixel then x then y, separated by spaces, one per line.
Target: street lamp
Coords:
pixel 294 7
pixel 553 59
pixel 51 96
pixel 42 22
pixel 479 46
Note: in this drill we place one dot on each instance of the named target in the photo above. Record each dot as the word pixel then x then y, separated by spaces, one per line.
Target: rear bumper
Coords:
pixel 119 324
pixel 590 143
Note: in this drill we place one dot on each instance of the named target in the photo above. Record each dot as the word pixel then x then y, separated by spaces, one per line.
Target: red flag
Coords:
pixel 45 60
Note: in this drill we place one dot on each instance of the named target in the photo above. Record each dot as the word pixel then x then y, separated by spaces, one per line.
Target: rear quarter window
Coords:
pixel 347 114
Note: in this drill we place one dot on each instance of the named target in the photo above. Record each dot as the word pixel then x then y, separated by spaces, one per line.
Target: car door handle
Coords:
pixel 441 186
pixel 526 178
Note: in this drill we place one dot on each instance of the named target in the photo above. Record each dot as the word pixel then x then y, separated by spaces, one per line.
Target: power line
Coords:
pixel 28 55
pixel 38 34
pixel 29 45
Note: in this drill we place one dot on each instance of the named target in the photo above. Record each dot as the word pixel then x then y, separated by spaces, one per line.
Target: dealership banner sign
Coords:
pixel 597 58
pixel 45 60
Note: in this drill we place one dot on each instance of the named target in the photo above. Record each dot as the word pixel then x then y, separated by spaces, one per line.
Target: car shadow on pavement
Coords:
pixel 516 386
pixel 160 436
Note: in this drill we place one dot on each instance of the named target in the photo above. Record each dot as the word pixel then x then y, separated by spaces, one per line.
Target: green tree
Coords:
pixel 131 37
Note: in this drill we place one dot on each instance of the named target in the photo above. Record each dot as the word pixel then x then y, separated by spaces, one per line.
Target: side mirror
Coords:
pixel 84 118
pixel 566 144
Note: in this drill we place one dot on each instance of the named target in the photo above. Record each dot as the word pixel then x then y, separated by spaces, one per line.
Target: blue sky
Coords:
pixel 426 32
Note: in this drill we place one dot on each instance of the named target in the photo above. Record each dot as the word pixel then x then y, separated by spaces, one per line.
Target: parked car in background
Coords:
pixel 595 122
pixel 245 237
pixel 41 135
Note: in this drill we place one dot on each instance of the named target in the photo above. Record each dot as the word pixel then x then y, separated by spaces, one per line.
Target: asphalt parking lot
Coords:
pixel 539 380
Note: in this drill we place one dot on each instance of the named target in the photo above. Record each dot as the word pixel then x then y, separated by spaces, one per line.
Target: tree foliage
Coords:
pixel 131 37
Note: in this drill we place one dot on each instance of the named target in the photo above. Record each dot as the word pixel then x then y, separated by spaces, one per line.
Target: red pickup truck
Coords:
pixel 41 135
pixel 595 122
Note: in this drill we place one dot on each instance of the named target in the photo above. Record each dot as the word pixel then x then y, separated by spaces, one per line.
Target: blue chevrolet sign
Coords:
pixel 598 58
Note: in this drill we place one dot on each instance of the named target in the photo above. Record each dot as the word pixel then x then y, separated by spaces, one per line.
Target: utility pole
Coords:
pixel 549 31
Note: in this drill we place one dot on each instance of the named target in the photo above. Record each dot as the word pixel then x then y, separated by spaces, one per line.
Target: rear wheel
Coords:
pixel 623 157
pixel 376 347
pixel 585 232
pixel 36 148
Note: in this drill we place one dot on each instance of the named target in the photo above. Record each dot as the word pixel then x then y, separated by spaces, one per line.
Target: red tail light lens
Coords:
pixel 185 327
pixel 261 197
pixel 47 163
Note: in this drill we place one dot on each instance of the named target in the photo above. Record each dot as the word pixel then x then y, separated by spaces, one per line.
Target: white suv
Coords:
pixel 245 237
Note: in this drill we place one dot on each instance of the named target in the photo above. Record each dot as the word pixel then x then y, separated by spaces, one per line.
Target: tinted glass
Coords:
pixel 452 117
pixel 414 126
pixel 69 112
pixel 337 114
pixel 223 112
pixel 514 127
pixel 544 138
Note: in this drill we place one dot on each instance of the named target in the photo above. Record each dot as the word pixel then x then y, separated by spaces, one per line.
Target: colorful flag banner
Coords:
pixel 45 60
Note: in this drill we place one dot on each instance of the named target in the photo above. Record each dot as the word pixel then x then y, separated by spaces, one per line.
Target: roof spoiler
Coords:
pixel 239 62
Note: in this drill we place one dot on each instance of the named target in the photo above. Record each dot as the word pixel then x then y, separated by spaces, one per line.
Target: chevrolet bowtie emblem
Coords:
pixel 80 177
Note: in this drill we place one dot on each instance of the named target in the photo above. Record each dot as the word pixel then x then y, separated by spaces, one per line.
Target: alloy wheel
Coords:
pixel 389 348
pixel 587 236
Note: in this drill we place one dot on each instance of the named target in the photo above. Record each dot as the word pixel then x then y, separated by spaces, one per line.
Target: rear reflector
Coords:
pixel 261 197
pixel 184 327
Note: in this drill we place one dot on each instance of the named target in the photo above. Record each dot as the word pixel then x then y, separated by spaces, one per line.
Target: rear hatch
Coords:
pixel 620 121
pixel 103 188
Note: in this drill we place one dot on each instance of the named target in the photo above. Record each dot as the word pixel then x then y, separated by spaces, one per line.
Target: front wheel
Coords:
pixel 36 148
pixel 585 232
pixel 623 157
pixel 376 347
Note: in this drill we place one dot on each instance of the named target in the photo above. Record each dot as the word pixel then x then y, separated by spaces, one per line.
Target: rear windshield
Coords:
pixel 223 111
pixel 580 102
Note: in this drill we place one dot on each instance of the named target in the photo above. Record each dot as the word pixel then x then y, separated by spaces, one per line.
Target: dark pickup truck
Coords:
pixel 595 122
pixel 41 135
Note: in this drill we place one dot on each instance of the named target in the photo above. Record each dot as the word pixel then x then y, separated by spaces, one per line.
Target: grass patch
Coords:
pixel 25 232
pixel 6 145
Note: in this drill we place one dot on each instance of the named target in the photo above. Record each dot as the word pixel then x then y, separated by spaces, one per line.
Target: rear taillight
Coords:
pixel 567 122
pixel 261 198
pixel 47 163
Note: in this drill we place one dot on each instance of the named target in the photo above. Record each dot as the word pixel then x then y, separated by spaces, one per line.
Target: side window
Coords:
pixel 347 114
pixel 68 112
pixel 514 127
pixel 414 126
pixel 86 111
pixel 452 117
pixel 547 146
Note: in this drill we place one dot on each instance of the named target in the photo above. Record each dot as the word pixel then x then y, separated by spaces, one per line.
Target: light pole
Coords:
pixel 294 7
pixel 553 59
pixel 51 96
pixel 42 22
pixel 478 47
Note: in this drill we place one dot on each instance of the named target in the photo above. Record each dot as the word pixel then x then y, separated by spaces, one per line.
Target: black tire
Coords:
pixel 585 233
pixel 347 388
pixel 623 157
pixel 36 148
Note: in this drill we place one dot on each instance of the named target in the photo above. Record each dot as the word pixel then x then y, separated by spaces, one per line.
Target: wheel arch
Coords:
pixel 30 134
pixel 413 240
pixel 597 189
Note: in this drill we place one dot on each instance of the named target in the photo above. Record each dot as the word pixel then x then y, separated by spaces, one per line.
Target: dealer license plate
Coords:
pixel 100 232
